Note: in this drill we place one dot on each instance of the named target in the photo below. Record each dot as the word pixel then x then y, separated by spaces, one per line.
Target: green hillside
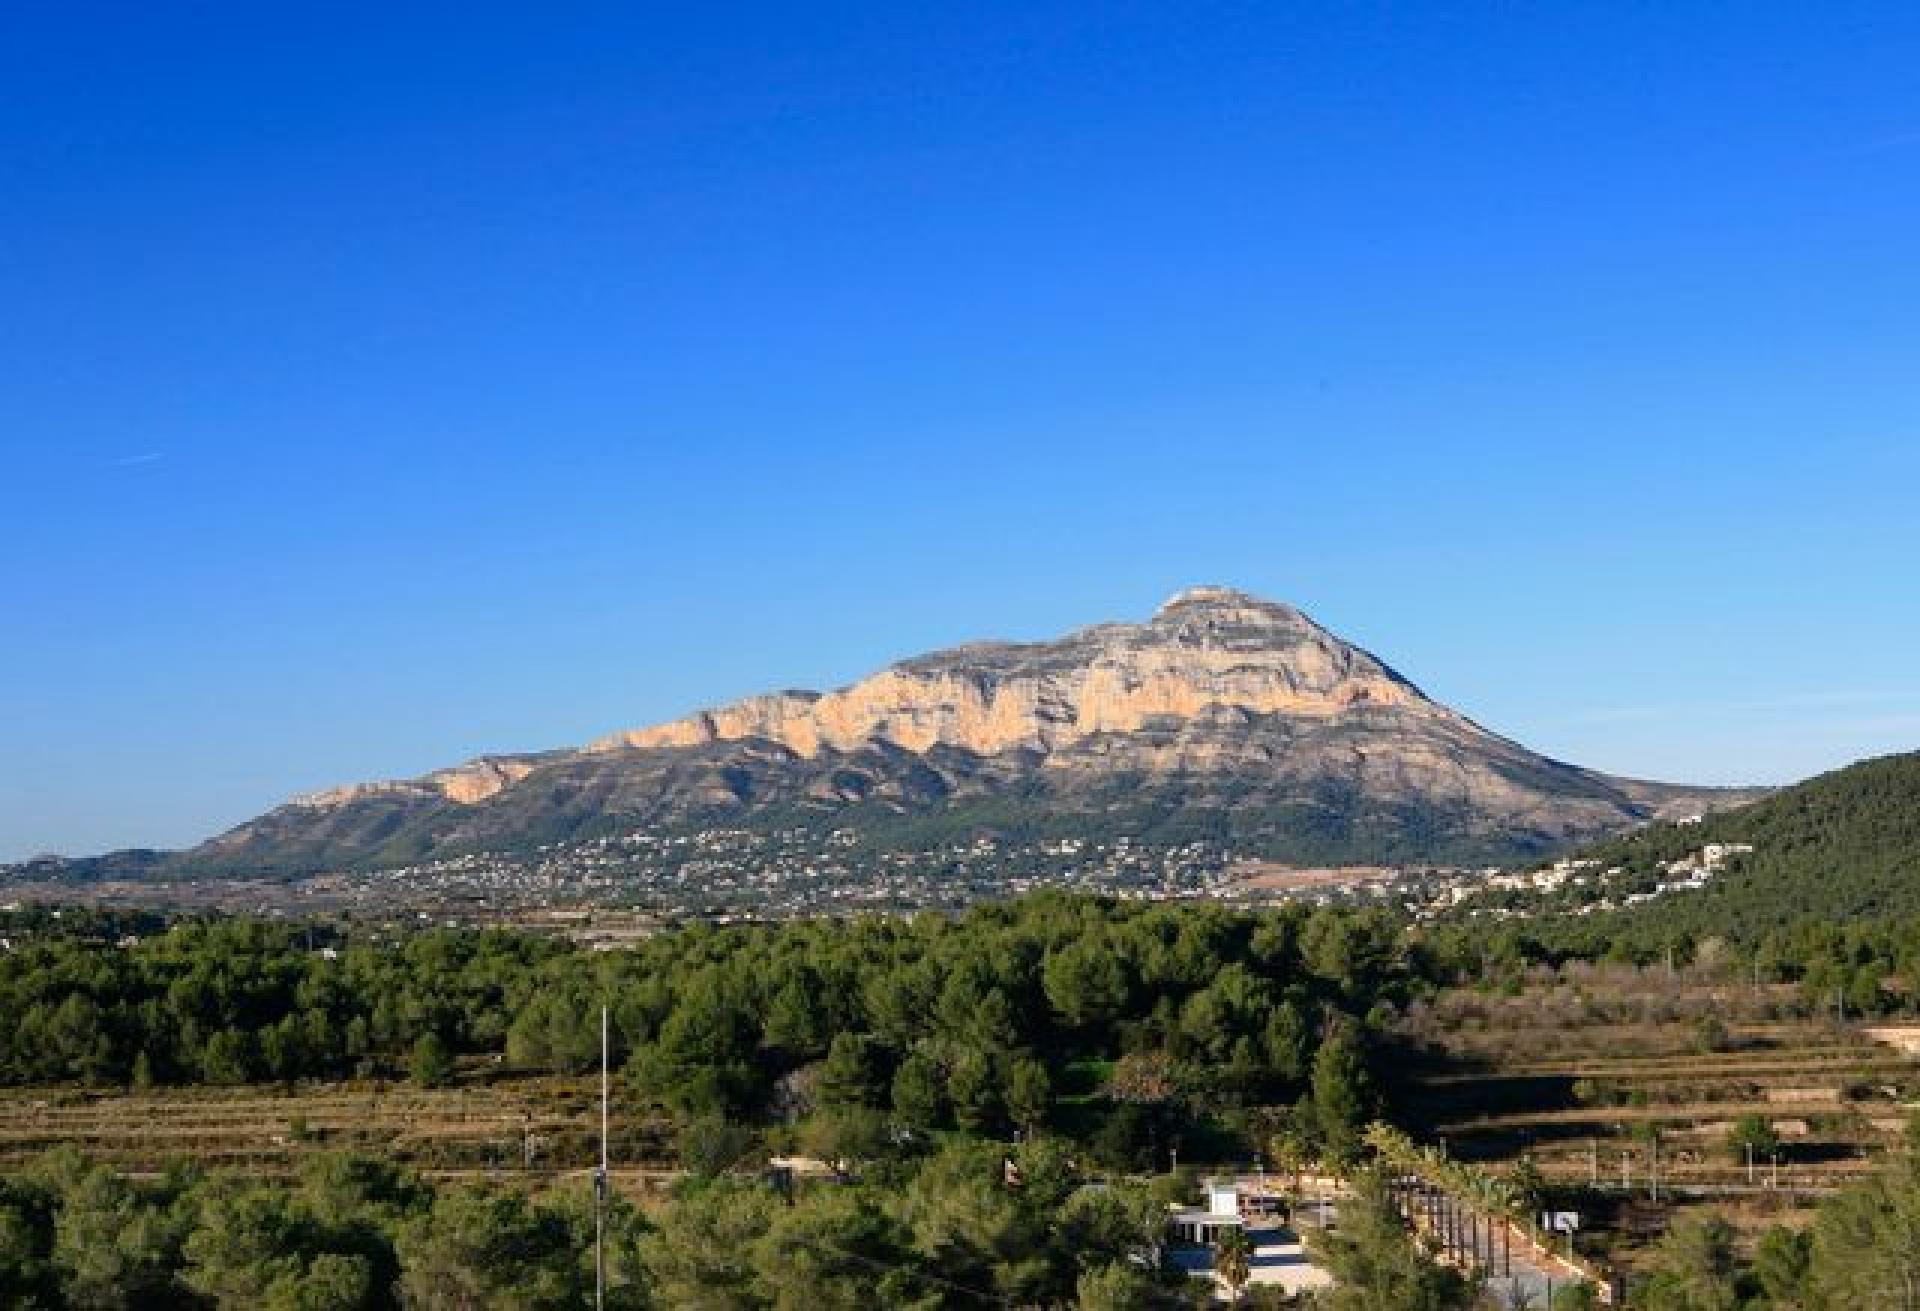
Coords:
pixel 1841 846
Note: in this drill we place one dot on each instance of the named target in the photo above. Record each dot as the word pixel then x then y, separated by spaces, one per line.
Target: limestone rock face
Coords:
pixel 467 784
pixel 1222 716
pixel 1206 650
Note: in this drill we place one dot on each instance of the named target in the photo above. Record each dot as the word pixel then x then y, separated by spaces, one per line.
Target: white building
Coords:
pixel 1202 1226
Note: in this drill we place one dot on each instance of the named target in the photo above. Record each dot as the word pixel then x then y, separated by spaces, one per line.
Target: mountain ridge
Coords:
pixel 1223 715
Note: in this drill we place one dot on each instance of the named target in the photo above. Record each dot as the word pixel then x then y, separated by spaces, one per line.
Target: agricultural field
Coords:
pixel 529 1127
pixel 1597 1075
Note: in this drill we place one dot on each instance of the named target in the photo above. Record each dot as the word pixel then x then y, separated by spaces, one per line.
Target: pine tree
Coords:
pixel 430 1065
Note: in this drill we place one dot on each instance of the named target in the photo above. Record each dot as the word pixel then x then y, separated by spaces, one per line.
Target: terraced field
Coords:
pixel 542 1126
pixel 1597 1075
pixel 1554 1072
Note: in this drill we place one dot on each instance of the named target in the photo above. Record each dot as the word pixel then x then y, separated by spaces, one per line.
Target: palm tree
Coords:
pixel 1233 1261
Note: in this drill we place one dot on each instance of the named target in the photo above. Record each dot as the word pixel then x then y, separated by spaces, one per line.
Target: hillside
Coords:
pixel 1223 716
pixel 1841 846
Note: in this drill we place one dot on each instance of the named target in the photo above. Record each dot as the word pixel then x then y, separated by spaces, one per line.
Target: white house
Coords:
pixel 1203 1225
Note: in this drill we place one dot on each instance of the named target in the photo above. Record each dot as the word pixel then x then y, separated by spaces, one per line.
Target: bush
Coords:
pixel 430 1065
pixel 1752 1133
pixel 1710 1035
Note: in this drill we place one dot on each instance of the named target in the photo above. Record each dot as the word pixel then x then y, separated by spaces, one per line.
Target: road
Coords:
pixel 1519 1275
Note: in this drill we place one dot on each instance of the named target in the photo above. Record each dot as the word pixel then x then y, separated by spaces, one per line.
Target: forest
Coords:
pixel 1004 1018
pixel 1001 1095
pixel 1101 1036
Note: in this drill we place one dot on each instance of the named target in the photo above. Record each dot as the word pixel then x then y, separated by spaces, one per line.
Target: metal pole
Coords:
pixel 600 1183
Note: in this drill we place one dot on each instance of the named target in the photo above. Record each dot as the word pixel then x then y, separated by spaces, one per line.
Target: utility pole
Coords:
pixel 600 1183
pixel 1626 1171
pixel 1749 1165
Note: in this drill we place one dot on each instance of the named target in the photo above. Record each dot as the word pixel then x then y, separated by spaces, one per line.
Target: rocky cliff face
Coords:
pixel 1207 650
pixel 1222 715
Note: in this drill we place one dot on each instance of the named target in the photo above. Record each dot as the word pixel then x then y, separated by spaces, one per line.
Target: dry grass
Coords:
pixel 474 1127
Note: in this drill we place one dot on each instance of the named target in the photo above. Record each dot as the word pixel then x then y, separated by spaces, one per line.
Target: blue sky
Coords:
pixel 383 385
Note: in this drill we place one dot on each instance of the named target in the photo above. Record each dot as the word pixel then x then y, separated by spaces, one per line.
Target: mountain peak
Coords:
pixel 1208 596
pixel 1227 612
pixel 1213 594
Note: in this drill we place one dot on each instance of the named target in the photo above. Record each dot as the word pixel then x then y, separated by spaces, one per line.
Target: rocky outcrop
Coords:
pixel 1222 714
pixel 466 784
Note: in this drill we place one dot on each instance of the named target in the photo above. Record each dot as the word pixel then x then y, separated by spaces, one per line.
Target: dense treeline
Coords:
pixel 353 1234
pixel 236 1001
pixel 1123 1023
pixel 967 1225
pixel 1100 1034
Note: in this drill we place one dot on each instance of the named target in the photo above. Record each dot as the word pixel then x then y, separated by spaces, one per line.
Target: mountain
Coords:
pixel 1223 716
